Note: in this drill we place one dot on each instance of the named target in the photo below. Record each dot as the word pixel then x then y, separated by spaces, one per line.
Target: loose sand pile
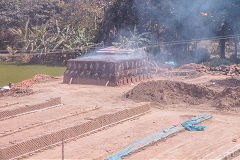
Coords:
pixel 171 92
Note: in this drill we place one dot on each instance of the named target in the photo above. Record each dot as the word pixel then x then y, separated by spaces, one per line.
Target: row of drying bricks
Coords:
pixel 54 138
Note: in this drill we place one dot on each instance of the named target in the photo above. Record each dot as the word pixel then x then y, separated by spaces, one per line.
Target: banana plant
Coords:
pixel 49 37
pixel 134 41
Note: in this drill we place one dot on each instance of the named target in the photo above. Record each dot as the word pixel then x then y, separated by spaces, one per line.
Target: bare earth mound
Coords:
pixel 170 92
pixel 229 82
pixel 228 98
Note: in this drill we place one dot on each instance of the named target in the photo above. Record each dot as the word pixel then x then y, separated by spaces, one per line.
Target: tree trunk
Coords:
pixel 222 48
pixel 235 48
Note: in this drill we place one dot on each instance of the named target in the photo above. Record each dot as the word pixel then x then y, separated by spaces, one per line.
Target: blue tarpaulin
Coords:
pixel 171 63
pixel 190 125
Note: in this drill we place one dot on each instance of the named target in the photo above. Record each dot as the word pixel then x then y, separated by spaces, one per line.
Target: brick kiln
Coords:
pixel 109 66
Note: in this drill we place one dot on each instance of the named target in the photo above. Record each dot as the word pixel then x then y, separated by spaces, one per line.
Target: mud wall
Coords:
pixel 71 132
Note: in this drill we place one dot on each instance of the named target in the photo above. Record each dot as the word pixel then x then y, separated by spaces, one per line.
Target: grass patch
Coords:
pixel 18 72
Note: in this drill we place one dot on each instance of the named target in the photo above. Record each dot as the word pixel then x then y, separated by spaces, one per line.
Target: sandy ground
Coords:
pixel 185 145
pixel 85 102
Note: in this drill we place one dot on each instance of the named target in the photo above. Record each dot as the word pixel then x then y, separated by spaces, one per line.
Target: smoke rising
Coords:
pixel 177 20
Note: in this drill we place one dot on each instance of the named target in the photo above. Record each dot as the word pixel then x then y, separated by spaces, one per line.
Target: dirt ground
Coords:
pixel 82 103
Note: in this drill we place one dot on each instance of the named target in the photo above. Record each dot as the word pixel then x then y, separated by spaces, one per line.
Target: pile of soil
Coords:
pixel 223 69
pixel 170 92
pixel 228 98
pixel 229 82
pixel 16 92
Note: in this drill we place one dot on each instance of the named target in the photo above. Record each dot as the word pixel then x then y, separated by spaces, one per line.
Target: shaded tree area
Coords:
pixel 95 21
pixel 28 18
pixel 173 20
pixel 119 16
pixel 15 13
pixel 227 22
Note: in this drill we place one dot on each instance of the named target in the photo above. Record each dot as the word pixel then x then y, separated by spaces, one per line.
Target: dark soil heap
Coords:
pixel 228 98
pixel 229 82
pixel 170 92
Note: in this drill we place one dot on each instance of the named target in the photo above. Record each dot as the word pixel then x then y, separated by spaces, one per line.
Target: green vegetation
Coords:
pixel 179 25
pixel 17 73
pixel 49 37
pixel 135 40
pixel 49 24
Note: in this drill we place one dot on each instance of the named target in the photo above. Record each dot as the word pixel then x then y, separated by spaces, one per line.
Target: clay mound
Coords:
pixel 170 92
pixel 230 82
pixel 231 92
pixel 228 98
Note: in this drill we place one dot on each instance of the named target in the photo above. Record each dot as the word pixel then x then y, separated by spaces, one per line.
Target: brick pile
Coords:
pixel 227 70
pixel 112 70
pixel 194 66
pixel 37 78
